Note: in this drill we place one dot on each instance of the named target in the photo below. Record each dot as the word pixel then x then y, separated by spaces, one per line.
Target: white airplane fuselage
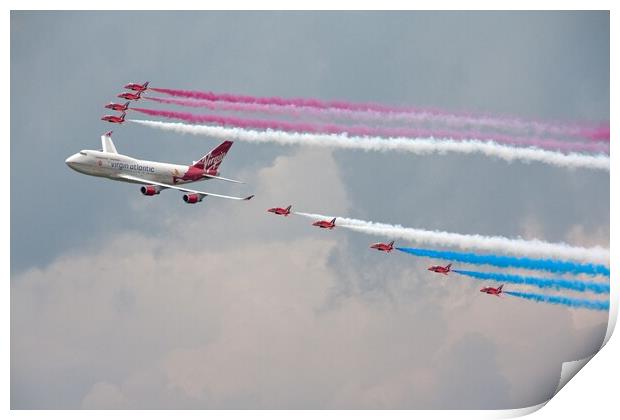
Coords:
pixel 111 165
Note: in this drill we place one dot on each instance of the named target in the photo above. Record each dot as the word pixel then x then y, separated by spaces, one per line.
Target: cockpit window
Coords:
pixel 83 153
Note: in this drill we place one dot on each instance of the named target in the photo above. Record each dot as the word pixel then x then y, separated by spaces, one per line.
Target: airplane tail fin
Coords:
pixel 127 104
pixel 289 208
pixel 333 222
pixel 145 85
pixel 106 143
pixel 499 289
pixel 212 160
pixel 392 243
pixel 123 116
pixel 449 266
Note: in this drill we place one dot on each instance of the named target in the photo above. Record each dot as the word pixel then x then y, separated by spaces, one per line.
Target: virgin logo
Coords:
pixel 214 160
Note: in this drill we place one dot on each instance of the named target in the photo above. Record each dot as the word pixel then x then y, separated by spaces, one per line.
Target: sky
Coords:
pixel 125 301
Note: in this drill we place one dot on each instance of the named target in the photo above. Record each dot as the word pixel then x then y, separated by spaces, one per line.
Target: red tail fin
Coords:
pixel 499 289
pixel 449 266
pixel 212 160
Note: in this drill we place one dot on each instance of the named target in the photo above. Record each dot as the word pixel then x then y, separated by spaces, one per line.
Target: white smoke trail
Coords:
pixel 499 244
pixel 420 146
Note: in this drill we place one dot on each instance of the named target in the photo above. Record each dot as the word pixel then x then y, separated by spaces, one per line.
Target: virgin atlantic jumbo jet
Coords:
pixel 154 176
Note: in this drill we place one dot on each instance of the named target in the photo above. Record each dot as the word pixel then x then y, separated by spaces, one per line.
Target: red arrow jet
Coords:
pixel 137 86
pixel 383 247
pixel 324 224
pixel 439 269
pixel 129 96
pixel 114 118
pixel 492 290
pixel 118 107
pixel 280 211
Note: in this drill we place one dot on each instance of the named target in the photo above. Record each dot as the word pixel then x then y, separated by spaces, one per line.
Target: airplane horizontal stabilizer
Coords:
pixel 221 178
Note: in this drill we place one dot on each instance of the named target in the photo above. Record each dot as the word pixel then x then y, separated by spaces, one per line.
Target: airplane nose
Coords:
pixel 71 160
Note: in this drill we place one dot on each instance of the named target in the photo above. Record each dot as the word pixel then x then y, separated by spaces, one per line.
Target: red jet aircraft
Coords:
pixel 137 86
pixel 383 247
pixel 280 211
pixel 439 269
pixel 118 107
pixel 129 96
pixel 492 290
pixel 324 224
pixel 114 118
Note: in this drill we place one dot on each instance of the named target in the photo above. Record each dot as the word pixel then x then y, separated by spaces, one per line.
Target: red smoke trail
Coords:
pixel 598 133
pixel 239 107
pixel 359 130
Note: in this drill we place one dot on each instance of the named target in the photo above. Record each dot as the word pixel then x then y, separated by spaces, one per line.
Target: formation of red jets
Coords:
pixel 136 90
pixel 383 247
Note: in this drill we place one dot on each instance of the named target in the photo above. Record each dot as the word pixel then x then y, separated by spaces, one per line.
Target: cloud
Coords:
pixel 104 396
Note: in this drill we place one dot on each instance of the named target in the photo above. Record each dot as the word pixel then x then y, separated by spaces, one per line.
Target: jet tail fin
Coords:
pixel 107 145
pixel 392 243
pixel 127 104
pixel 333 222
pixel 499 289
pixel 449 266
pixel 212 160
pixel 289 208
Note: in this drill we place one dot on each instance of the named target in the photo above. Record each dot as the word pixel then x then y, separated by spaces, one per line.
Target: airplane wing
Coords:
pixel 176 187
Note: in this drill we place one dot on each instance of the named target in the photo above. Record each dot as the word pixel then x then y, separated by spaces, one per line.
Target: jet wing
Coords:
pixel 176 187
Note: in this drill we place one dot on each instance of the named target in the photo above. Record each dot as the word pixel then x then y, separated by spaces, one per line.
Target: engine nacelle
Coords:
pixel 192 198
pixel 150 189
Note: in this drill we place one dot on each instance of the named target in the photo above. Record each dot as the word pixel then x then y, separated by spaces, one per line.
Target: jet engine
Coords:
pixel 192 198
pixel 150 189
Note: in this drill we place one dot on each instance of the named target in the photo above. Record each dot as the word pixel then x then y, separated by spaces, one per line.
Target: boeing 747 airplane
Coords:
pixel 154 176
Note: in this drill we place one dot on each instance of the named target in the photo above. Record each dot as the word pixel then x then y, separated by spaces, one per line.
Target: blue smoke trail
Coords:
pixel 579 286
pixel 554 266
pixel 599 305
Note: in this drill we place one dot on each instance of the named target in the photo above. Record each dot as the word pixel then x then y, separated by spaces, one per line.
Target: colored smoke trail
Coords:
pixel 363 130
pixel 521 247
pixel 238 106
pixel 416 146
pixel 543 283
pixel 553 266
pixel 591 132
pixel 599 305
